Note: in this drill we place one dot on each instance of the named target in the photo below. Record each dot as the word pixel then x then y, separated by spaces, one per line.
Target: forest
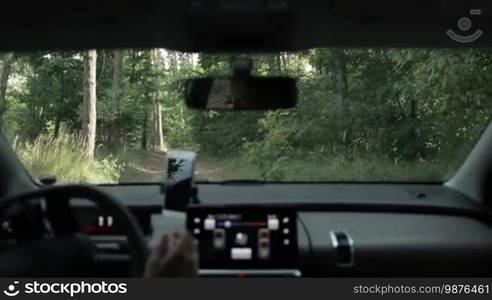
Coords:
pixel 108 116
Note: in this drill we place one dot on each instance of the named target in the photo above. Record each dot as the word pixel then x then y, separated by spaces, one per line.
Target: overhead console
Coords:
pixel 234 241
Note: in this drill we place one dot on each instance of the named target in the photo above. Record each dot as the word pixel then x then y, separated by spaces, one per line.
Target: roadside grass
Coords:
pixel 371 169
pixel 319 169
pixel 63 158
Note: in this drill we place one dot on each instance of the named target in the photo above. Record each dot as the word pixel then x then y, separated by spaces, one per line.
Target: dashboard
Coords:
pixel 423 231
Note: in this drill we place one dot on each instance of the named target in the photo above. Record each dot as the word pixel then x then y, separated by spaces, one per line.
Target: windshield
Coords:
pixel 110 116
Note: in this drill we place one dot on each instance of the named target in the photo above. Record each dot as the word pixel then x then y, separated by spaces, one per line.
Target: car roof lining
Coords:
pixel 236 25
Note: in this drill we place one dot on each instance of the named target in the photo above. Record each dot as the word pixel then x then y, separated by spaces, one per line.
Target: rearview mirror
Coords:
pixel 246 93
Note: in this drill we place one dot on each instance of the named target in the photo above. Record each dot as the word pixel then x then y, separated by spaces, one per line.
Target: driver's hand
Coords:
pixel 175 255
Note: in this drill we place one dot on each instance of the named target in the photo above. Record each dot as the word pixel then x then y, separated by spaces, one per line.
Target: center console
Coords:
pixel 245 242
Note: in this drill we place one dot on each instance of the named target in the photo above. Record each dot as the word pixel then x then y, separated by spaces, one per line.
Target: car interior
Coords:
pixel 247 228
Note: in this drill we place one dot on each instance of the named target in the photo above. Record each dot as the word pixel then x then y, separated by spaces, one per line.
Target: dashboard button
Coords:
pixel 264 253
pixel 241 239
pixel 209 224
pixel 219 239
pixel 273 224
pixel 263 234
pixel 241 253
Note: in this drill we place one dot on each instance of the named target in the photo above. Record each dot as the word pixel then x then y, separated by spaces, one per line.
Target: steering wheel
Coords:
pixel 137 246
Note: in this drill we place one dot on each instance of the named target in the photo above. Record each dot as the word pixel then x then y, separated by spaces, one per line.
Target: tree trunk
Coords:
pixel 173 59
pixel 115 131
pixel 5 65
pixel 274 64
pixel 89 114
pixel 145 129
pixel 56 132
pixel 158 136
pixel 413 108
pixel 278 62
pixel 59 112
pixel 283 61
pixel 341 71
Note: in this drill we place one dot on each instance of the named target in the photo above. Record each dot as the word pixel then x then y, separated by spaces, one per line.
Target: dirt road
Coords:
pixel 151 167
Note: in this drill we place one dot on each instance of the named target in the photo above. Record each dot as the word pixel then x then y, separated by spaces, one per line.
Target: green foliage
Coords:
pixel 405 114
pixel 48 95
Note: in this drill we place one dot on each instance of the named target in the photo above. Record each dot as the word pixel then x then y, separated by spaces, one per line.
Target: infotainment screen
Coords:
pixel 232 237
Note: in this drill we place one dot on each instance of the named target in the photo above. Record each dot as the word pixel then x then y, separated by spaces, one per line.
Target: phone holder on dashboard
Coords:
pixel 180 188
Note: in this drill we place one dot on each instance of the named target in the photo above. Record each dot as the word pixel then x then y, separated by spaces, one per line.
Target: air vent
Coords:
pixel 343 245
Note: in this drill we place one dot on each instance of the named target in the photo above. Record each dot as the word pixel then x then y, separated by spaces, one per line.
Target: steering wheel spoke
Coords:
pixel 59 217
